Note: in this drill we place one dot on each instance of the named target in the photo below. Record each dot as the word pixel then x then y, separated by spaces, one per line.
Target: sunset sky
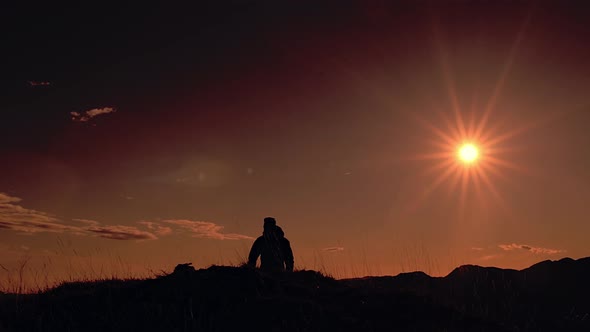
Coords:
pixel 136 138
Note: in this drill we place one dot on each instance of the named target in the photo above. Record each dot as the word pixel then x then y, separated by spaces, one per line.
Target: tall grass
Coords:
pixel 38 274
pixel 32 274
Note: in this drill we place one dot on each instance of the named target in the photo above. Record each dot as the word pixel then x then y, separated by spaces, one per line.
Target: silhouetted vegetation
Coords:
pixel 548 296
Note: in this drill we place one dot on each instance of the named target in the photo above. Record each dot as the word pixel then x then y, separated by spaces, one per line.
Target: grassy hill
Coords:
pixel 548 296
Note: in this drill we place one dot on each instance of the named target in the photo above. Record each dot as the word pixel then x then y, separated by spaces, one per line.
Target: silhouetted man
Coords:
pixel 285 249
pixel 273 248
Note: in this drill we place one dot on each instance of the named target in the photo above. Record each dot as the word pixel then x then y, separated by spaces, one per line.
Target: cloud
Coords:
pixel 156 228
pixel 534 250
pixel 333 249
pixel 509 247
pixel 163 230
pixel 87 221
pixel 120 232
pixel 85 116
pixel 4 199
pixel 17 218
pixel 477 248
pixel 27 221
pixel 206 229
pixel 114 232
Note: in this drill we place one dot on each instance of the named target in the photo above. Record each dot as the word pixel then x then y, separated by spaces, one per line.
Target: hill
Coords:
pixel 548 296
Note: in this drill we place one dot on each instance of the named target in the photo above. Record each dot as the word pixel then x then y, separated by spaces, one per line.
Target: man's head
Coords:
pixel 269 223
pixel 279 232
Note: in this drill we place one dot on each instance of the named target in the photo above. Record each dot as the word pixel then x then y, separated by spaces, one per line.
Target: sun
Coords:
pixel 468 157
pixel 468 153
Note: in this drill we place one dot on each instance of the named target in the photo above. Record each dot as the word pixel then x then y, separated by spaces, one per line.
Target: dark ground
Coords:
pixel 548 296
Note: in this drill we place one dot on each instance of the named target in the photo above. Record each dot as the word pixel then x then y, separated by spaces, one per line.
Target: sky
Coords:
pixel 135 138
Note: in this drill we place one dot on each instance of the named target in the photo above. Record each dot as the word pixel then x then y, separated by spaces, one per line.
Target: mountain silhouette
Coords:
pixel 548 296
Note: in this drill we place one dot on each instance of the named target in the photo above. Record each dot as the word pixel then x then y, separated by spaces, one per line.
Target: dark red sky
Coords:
pixel 193 122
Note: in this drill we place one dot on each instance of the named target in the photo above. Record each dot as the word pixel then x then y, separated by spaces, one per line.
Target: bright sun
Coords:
pixel 468 150
pixel 468 153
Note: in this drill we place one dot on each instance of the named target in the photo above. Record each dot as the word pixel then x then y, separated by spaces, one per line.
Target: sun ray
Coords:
pixel 505 136
pixel 506 164
pixel 436 130
pixel 503 150
pixel 452 128
pixel 473 149
pixel 491 131
pixel 464 187
pixel 501 80
pixel 438 166
pixel 429 156
pixel 471 126
pixel 493 169
pixel 441 145
pixel 458 117
pixel 477 185
pixel 449 82
pixel 540 120
pixel 492 188
pixel 439 180
pixel 455 182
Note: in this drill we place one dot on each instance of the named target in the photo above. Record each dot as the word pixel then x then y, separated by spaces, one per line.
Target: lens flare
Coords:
pixel 468 146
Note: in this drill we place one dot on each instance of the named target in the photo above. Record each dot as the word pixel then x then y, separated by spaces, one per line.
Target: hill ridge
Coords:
pixel 547 296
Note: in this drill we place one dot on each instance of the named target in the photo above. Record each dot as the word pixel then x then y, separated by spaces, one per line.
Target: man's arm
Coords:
pixel 254 253
pixel 288 255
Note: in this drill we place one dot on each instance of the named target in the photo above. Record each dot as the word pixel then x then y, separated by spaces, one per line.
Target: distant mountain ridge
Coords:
pixel 555 293
pixel 548 296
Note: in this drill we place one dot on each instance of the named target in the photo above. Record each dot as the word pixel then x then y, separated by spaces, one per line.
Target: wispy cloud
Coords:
pixel 5 199
pixel 333 249
pixel 87 221
pixel 205 229
pixel 114 232
pixel 477 248
pixel 28 221
pixel 17 218
pixel 85 116
pixel 534 250
pixel 120 232
pixel 156 227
